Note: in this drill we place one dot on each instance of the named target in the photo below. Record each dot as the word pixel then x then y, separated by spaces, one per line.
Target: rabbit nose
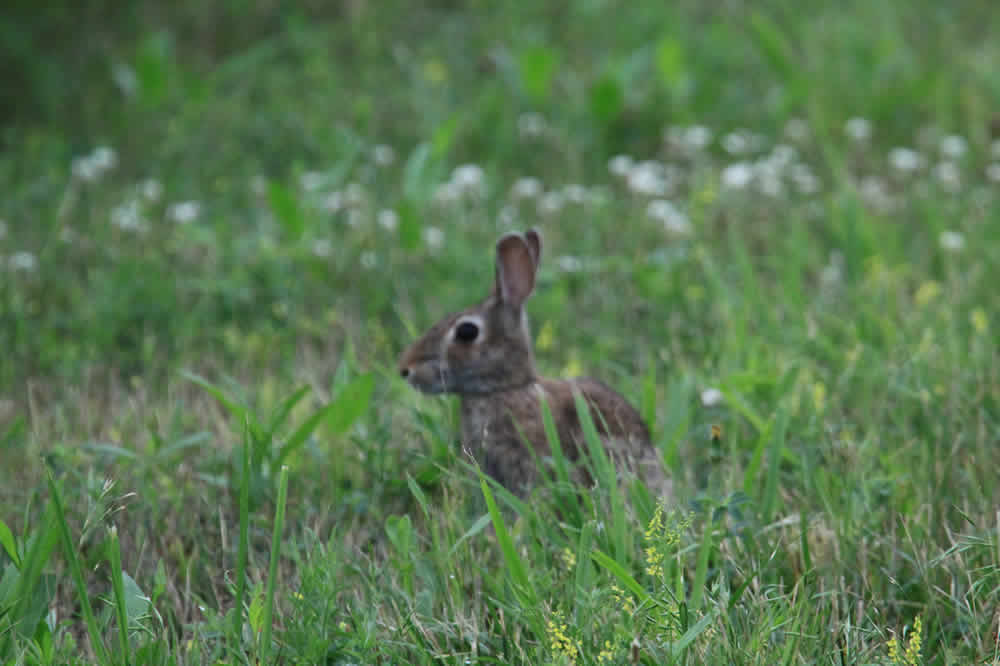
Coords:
pixel 404 372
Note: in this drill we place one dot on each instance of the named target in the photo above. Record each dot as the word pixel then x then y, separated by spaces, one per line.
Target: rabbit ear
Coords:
pixel 534 240
pixel 515 269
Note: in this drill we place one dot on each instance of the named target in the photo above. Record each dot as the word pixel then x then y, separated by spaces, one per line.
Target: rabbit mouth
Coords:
pixel 430 377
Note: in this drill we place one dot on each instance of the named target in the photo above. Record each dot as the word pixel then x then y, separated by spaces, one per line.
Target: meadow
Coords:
pixel 770 225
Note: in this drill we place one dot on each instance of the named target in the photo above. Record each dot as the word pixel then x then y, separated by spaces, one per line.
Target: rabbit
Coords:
pixel 484 354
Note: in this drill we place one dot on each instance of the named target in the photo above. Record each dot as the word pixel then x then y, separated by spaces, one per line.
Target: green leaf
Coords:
pixel 410 226
pixel 623 576
pixel 538 67
pixel 8 543
pixel 774 459
pixel 693 632
pixel 286 208
pixel 137 603
pixel 284 409
pixel 352 401
pixel 476 528
pixel 240 412
pixel 670 62
pixel 416 183
pixel 400 533
pixel 255 616
pixel 519 577
pixel 607 99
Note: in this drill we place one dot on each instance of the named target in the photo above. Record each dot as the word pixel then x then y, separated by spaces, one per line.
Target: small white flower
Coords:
pixel 368 260
pixel 322 248
pixel 769 180
pixel 833 272
pixel 22 261
pixel 125 78
pixel 333 202
pixel 151 190
pixel 447 193
pixel 905 159
pixel 383 155
pixel 673 220
pixel 569 264
pixel 530 125
pixel 507 216
pixel 354 217
pixel 433 237
pixel 104 158
pixel 797 130
pixel 948 176
pixel 575 193
pixel 954 146
pixel 469 179
pixel 993 172
pixel 874 191
pixel 388 219
pixel 711 397
pixel 85 170
pixel 648 178
pixel 310 181
pixel 184 212
pixel 858 129
pixel 737 176
pixel 128 216
pixel 741 142
pixel 551 203
pixel 354 195
pixel 691 140
pixel 804 179
pixel 783 155
pixel 952 241
pixel 526 188
pixel 620 165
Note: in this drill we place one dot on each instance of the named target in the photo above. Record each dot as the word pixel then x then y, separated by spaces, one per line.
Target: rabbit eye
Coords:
pixel 466 331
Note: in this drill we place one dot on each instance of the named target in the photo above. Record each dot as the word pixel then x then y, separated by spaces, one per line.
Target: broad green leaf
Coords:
pixel 538 66
pixel 607 99
pixel 286 209
pixel 351 402
pixel 8 543
pixel 240 412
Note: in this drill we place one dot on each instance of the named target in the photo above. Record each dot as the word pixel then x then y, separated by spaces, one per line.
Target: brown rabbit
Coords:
pixel 484 354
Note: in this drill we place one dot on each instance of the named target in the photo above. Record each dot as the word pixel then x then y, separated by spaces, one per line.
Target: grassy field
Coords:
pixel 772 228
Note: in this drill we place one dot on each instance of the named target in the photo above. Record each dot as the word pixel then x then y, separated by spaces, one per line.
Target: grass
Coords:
pixel 208 457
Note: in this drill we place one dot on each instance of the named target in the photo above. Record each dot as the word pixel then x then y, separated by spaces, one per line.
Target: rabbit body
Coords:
pixel 484 354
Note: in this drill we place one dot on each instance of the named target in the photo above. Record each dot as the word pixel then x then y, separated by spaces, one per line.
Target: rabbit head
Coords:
pixel 487 347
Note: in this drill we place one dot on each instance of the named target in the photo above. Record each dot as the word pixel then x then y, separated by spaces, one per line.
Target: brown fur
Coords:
pixel 501 391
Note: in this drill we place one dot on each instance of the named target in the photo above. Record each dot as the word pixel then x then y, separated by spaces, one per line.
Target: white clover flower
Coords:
pixel 804 179
pixel 711 397
pixel 526 188
pixel 388 219
pixel 85 170
pixel 447 193
pixel 993 172
pixel 691 140
pixel 673 220
pixel 151 190
pixel 797 130
pixel 22 261
pixel 184 212
pixel 648 178
pixel 737 176
pixel 954 146
pixel 551 203
pixel 768 177
pixel 354 195
pixel 128 216
pixel 948 176
pixel 322 247
pixel 355 217
pixel 125 78
pixel 104 158
pixel 310 181
pixel 874 191
pixel 368 260
pixel 507 216
pixel 333 202
pixel 858 129
pixel 783 155
pixel 433 237
pixel 905 160
pixel 620 165
pixel 569 264
pixel 469 179
pixel 575 193
pixel 951 241
pixel 383 155
pixel 530 125
pixel 736 143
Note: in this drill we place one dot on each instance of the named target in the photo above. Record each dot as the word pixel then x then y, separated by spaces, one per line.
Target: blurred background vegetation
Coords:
pixel 794 205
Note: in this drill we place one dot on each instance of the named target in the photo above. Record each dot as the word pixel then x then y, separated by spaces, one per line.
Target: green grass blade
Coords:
pixel 237 410
pixel 606 474
pixel 623 576
pixel 773 463
pixel 272 577
pixel 244 544
pixel 701 569
pixel 76 571
pixel 519 577
pixel 118 588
